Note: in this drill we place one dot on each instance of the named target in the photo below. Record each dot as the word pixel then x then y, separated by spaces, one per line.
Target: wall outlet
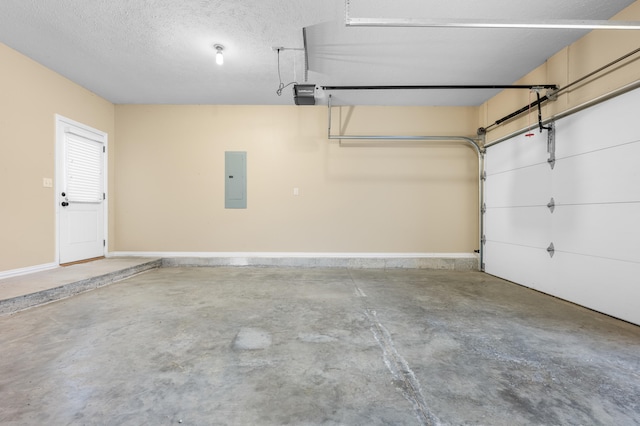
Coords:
pixel 47 182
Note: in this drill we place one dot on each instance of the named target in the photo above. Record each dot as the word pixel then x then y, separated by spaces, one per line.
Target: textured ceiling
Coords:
pixel 160 51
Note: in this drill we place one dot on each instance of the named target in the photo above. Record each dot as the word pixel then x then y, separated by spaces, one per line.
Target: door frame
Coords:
pixel 60 123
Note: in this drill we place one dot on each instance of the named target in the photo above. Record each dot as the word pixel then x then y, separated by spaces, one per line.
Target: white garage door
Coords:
pixel 595 224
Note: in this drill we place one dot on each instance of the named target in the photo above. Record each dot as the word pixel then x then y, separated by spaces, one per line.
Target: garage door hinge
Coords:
pixel 484 175
pixel 552 205
pixel 484 208
pixel 104 243
pixel 104 196
pixel 104 149
pixel 551 144
pixel 551 250
pixel 484 239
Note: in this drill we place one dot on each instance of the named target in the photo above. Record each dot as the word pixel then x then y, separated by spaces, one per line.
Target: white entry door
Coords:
pixel 81 193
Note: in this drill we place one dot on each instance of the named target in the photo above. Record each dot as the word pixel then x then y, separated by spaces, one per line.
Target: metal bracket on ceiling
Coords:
pixel 552 24
pixel 549 24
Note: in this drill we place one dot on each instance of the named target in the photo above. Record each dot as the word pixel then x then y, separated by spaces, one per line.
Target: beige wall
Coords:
pixel 30 97
pixel 405 198
pixel 591 52
pixel 166 187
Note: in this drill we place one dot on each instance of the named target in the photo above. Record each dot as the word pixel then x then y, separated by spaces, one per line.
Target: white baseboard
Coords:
pixel 27 270
pixel 261 254
pixel 453 261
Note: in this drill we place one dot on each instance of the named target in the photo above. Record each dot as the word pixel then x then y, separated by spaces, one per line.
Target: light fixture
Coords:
pixel 219 58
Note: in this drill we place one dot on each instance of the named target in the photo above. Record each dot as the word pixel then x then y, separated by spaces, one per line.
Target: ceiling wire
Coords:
pixel 281 85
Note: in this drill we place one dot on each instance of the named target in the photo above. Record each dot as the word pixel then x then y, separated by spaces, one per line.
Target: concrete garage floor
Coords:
pixel 271 346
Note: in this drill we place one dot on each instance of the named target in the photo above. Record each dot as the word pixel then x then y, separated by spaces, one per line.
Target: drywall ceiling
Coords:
pixel 160 51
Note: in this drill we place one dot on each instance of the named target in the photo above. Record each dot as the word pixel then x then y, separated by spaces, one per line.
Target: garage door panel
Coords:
pixel 594 227
pixel 611 175
pixel 523 265
pixel 527 226
pixel 522 187
pixel 605 285
pixel 600 230
pixel 519 152
pixel 600 126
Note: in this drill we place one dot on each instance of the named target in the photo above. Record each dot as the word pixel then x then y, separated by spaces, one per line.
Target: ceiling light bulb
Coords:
pixel 219 57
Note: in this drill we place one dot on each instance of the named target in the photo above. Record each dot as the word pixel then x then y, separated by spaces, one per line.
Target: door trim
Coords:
pixel 61 123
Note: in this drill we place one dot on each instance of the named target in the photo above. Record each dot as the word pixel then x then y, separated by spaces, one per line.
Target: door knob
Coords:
pixel 65 204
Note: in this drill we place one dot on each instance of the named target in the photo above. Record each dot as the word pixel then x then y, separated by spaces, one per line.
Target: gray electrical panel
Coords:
pixel 235 180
